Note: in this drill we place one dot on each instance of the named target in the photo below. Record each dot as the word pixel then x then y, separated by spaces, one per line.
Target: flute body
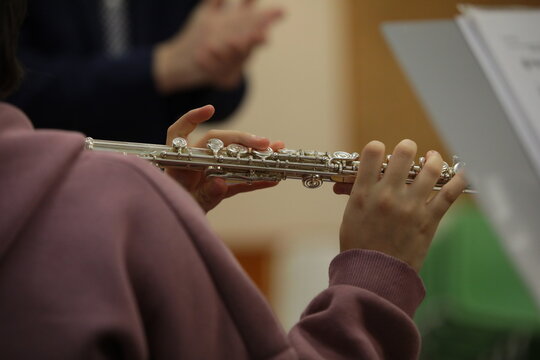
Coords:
pixel 238 163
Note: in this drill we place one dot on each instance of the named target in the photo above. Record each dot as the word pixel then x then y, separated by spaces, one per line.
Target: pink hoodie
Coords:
pixel 104 257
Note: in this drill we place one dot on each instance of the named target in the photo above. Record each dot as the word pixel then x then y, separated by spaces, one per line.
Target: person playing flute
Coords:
pixel 105 257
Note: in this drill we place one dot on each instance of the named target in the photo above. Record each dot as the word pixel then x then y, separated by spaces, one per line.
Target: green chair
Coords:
pixel 477 306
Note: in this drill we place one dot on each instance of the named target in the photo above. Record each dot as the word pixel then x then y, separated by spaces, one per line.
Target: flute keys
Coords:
pixel 343 155
pixel 264 153
pixel 445 167
pixel 215 145
pixel 179 143
pixel 312 181
pixel 287 151
pixel 89 143
pixel 457 165
pixel 236 150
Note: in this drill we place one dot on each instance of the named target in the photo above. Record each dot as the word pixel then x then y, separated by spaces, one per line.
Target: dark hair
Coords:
pixel 11 16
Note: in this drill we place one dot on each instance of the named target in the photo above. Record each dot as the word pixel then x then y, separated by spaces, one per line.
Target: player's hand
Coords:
pixel 213 46
pixel 387 215
pixel 210 191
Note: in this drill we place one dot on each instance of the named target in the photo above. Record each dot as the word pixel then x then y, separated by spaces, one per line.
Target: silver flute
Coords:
pixel 236 162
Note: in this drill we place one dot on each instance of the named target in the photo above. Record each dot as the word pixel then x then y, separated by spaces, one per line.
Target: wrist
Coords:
pixel 160 68
pixel 381 274
pixel 173 68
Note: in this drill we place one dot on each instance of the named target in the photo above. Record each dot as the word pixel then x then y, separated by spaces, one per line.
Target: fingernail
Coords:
pixel 256 137
pixel 431 153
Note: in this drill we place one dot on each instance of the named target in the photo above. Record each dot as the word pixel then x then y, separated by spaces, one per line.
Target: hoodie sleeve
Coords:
pixel 366 313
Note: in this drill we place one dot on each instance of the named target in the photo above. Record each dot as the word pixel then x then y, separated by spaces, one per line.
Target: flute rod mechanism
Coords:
pixel 238 163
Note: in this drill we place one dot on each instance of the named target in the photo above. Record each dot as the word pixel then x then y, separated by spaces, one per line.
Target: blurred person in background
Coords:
pixel 105 257
pixel 127 69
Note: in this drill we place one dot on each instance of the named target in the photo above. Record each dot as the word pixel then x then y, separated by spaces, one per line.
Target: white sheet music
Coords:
pixel 506 42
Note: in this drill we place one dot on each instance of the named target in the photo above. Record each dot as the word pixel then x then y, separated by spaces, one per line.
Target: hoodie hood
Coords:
pixel 33 163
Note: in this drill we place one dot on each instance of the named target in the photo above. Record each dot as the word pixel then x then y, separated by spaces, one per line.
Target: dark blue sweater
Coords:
pixel 71 84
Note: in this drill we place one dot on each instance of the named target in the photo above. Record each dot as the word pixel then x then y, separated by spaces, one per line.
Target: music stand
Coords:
pixel 464 108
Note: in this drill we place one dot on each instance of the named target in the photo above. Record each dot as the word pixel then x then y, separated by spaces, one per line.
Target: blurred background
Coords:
pixel 327 81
